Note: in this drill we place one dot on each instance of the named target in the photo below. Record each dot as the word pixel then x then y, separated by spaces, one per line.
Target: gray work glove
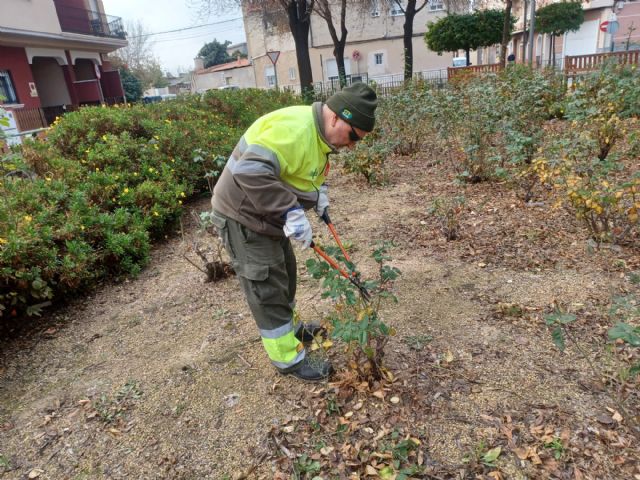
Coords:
pixel 297 226
pixel 323 200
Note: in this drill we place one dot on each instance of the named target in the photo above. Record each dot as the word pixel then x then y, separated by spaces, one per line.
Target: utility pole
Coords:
pixel 532 31
pixel 525 33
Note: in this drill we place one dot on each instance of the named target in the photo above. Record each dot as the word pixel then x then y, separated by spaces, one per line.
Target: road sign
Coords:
pixel 273 56
pixel 604 26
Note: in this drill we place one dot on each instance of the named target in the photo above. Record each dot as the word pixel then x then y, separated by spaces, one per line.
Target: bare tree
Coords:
pixel 138 52
pixel 324 10
pixel 297 14
pixel 410 12
pixel 506 32
pixel 138 56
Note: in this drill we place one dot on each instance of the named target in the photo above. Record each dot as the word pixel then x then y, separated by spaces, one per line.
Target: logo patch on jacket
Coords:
pixel 346 113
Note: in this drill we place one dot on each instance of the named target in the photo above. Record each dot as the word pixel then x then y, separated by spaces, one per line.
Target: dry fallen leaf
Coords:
pixel 522 453
pixel 605 419
pixel 326 450
pixel 369 470
pixel 35 473
pixel 380 434
pixel 379 394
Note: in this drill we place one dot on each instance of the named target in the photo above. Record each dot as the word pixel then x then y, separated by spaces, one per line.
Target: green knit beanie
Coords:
pixel 356 105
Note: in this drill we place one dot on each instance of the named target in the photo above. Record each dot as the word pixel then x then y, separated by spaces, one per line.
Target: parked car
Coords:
pixel 460 62
pixel 152 99
pixel 229 87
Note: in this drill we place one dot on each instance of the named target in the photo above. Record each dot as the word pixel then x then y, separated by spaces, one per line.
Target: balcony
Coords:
pixel 88 22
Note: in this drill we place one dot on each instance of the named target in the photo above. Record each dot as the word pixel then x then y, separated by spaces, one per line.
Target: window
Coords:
pixel 292 73
pixel 396 8
pixel 378 58
pixel 228 80
pixel 7 92
pixel 375 8
pixel 270 76
pixel 436 5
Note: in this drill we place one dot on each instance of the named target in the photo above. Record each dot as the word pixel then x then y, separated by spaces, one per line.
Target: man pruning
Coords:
pixel 275 173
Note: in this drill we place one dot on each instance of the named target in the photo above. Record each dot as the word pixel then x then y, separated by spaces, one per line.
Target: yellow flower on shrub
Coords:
pixel 27 218
pixel 156 214
pixel 2 240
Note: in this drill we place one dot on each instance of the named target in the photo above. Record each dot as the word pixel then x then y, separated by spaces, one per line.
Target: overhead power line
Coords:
pixel 188 28
pixel 193 36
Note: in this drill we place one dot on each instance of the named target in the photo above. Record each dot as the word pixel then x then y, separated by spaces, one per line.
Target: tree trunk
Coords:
pixel 468 53
pixel 409 15
pixel 299 13
pixel 506 33
pixel 324 10
pixel 550 48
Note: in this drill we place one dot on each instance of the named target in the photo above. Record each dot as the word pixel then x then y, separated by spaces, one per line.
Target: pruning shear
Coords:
pixel 354 278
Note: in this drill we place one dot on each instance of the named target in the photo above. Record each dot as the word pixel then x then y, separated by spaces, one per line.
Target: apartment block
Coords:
pixel 53 59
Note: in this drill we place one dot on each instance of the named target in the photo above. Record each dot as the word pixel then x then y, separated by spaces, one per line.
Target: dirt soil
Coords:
pixel 164 376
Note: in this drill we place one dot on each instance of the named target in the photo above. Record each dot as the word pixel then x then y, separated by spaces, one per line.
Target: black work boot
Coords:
pixel 307 331
pixel 311 369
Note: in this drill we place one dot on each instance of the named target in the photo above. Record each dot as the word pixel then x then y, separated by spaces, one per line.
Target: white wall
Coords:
pixel 33 15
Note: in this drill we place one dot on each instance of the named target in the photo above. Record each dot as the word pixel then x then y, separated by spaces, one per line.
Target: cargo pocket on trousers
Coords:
pixel 253 272
pixel 258 286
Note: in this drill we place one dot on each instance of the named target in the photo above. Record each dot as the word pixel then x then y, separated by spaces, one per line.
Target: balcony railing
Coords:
pixel 88 22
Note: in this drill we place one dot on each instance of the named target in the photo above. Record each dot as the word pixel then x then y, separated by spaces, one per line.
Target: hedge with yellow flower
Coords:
pixel 88 201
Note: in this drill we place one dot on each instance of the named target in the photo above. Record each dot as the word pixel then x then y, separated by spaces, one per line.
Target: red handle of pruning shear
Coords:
pixel 354 277
pixel 330 260
pixel 332 229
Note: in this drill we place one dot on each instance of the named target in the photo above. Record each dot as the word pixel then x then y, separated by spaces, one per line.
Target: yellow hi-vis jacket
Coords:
pixel 279 163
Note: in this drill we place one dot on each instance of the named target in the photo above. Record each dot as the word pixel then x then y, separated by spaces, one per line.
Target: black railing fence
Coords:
pixel 88 22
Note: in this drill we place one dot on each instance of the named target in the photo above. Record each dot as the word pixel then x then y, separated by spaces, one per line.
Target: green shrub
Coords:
pixel 86 202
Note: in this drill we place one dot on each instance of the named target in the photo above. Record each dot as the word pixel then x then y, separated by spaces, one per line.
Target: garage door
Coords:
pixel 584 41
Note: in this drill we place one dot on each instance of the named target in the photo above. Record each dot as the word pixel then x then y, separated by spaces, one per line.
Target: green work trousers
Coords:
pixel 266 269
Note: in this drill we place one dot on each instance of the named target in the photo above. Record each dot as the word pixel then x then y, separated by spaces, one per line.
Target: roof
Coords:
pixel 239 63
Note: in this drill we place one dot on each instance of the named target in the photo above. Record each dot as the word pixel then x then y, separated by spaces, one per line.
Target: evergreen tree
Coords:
pixel 465 31
pixel 215 53
pixel 131 84
pixel 557 19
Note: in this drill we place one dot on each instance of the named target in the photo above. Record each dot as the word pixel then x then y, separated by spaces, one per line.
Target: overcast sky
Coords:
pixel 177 50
